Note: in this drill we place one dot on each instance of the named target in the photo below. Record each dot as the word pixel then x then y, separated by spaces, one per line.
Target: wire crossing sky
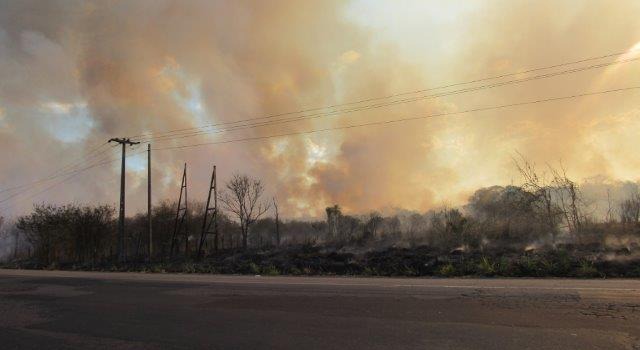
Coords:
pixel 74 74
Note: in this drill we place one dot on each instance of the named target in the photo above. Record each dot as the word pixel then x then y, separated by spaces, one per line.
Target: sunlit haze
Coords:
pixel 74 74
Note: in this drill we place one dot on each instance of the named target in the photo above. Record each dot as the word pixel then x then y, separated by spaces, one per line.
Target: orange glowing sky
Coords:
pixel 73 74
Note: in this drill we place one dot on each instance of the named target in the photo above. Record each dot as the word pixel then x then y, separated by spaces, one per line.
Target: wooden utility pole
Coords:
pixel 186 215
pixel 275 205
pixel 124 142
pixel 149 228
pixel 15 247
pixel 206 224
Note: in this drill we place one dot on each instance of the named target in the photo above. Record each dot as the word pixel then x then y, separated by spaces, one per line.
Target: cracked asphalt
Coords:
pixel 80 310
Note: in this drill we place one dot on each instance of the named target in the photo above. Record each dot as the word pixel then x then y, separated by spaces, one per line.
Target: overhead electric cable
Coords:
pixel 101 162
pixel 380 105
pixel 394 95
pixel 399 120
pixel 87 156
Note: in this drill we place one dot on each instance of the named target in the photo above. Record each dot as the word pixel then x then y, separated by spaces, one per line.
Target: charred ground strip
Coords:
pixel 309 260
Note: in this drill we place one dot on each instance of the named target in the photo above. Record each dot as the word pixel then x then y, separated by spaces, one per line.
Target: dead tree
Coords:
pixel 373 223
pixel 333 215
pixel 630 210
pixel 242 198
pixel 541 189
pixel 569 197
pixel 609 218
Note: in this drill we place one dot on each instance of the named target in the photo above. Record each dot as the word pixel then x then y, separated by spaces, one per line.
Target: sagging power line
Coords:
pixel 89 156
pixel 392 121
pixel 150 136
pixel 97 163
pixel 369 107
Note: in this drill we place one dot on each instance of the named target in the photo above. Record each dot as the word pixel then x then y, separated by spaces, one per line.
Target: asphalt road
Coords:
pixel 81 310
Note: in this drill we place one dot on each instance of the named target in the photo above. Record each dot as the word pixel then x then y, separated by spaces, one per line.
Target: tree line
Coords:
pixel 547 209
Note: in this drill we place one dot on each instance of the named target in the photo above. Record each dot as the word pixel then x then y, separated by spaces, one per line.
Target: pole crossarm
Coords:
pixel 124 141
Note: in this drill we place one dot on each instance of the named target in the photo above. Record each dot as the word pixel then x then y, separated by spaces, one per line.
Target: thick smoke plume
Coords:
pixel 75 73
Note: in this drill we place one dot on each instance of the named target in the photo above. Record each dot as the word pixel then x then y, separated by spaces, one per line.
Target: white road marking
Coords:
pixel 239 280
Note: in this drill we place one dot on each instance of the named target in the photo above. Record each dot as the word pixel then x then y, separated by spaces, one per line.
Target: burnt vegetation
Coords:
pixel 543 227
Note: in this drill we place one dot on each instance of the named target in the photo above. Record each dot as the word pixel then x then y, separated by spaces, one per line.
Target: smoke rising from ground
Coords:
pixel 8 238
pixel 73 74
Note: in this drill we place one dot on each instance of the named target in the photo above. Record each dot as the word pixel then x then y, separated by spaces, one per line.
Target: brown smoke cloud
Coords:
pixel 74 74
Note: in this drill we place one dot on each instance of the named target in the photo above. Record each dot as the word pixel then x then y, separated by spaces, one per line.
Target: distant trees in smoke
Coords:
pixel 549 208
pixel 630 210
pixel 79 233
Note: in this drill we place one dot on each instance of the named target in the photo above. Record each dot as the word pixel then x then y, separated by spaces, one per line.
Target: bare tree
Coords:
pixel 569 197
pixel 609 216
pixel 373 223
pixel 333 215
pixel 538 185
pixel 630 210
pixel 417 226
pixel 242 198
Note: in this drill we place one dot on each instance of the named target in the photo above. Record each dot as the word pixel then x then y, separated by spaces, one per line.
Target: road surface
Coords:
pixel 80 310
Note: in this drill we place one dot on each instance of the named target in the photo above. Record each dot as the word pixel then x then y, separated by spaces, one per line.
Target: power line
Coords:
pixel 59 173
pixel 71 173
pixel 93 153
pixel 400 120
pixel 43 191
pixel 56 173
pixel 393 95
pixel 18 193
pixel 380 105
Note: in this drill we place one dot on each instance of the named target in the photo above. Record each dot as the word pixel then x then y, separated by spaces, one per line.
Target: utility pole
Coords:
pixel 149 201
pixel 206 224
pixel 124 142
pixel 275 205
pixel 15 247
pixel 186 215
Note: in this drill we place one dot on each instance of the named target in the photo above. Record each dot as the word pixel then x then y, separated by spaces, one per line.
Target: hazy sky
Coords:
pixel 75 73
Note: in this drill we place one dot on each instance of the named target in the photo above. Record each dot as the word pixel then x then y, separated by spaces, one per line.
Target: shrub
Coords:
pixel 486 267
pixel 447 270
pixel 587 269
pixel 188 267
pixel 271 271
pixel 295 271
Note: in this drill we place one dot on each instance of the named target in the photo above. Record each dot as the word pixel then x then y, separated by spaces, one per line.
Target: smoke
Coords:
pixel 77 73
pixel 8 238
